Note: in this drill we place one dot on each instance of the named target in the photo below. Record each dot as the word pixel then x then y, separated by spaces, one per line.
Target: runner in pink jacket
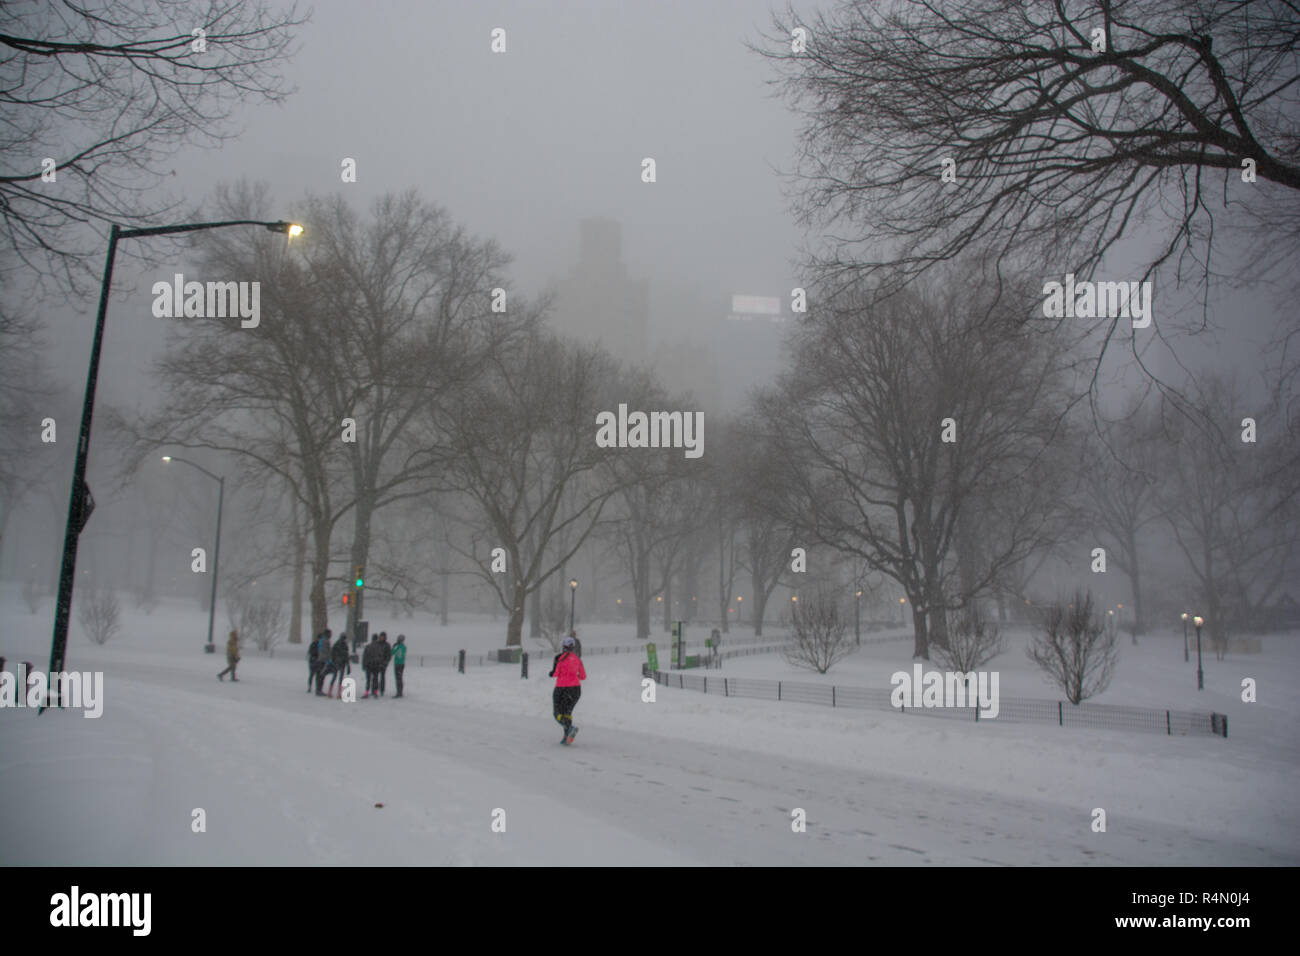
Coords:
pixel 569 675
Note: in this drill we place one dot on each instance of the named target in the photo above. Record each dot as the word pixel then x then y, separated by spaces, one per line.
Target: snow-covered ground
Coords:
pixel 285 777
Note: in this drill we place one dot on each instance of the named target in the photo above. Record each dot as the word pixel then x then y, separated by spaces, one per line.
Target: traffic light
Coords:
pixel 345 599
pixel 360 576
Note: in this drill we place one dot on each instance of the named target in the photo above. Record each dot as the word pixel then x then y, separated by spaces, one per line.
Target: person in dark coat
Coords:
pixel 339 665
pixel 314 662
pixel 232 657
pixel 369 662
pixel 322 661
pixel 385 655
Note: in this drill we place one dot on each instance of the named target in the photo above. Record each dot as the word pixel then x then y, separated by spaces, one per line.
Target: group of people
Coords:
pixel 333 660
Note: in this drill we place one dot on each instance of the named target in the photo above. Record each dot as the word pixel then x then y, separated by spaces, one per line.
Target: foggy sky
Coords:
pixel 520 146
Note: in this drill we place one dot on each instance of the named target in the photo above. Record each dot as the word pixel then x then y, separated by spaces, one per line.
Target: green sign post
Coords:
pixel 653 656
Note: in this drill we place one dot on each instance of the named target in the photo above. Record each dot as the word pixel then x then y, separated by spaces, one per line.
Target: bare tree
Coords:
pixel 820 635
pixel 99 614
pixel 555 620
pixel 256 393
pixel 26 397
pixel 658 506
pixel 259 620
pixel 107 91
pixel 1121 479
pixel 898 421
pixel 406 317
pixel 757 482
pixel 519 442
pixel 1232 521
pixel 1074 648
pixel 1064 127
pixel 973 640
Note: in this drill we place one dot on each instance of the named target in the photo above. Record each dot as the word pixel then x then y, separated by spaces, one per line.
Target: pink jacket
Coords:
pixel 569 670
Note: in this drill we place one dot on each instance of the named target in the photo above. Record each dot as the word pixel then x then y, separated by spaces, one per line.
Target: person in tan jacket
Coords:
pixel 232 657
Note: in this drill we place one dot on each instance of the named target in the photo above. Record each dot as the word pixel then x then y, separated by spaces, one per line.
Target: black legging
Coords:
pixel 564 699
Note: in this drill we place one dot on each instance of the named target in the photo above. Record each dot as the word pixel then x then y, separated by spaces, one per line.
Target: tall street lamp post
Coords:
pixel 857 618
pixel 1200 674
pixel 80 501
pixel 210 648
pixel 1185 657
pixel 573 599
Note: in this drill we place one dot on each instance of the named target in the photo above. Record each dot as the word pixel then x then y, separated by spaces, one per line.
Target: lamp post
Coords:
pixel 1185 657
pixel 80 502
pixel 740 609
pixel 210 648
pixel 573 599
pixel 902 614
pixel 857 618
pixel 1200 674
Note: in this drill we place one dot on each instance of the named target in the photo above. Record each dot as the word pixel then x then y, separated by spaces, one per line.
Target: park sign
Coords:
pixel 653 655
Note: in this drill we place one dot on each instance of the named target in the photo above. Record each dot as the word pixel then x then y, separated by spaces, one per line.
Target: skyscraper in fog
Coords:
pixel 750 345
pixel 598 302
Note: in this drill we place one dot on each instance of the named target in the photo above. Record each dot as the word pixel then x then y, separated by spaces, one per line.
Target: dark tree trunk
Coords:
pixel 515 627
pixel 444 578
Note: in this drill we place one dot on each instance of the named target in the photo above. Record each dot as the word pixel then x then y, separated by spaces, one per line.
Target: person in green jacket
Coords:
pixel 399 662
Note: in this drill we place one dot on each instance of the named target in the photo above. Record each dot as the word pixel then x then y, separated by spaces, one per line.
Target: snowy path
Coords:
pixel 287 778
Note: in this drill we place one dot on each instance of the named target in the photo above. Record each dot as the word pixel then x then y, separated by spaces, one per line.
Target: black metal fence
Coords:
pixel 1021 710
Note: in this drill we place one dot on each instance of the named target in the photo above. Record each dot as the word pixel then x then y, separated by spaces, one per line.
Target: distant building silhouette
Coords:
pixel 598 302
pixel 750 345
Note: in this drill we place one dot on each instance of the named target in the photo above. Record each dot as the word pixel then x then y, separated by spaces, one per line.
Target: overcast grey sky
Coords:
pixel 520 146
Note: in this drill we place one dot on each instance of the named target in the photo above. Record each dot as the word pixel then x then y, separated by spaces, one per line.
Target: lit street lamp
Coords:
pixel 857 618
pixel 210 648
pixel 902 614
pixel 573 598
pixel 740 609
pixel 1200 674
pixel 1185 657
pixel 80 502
